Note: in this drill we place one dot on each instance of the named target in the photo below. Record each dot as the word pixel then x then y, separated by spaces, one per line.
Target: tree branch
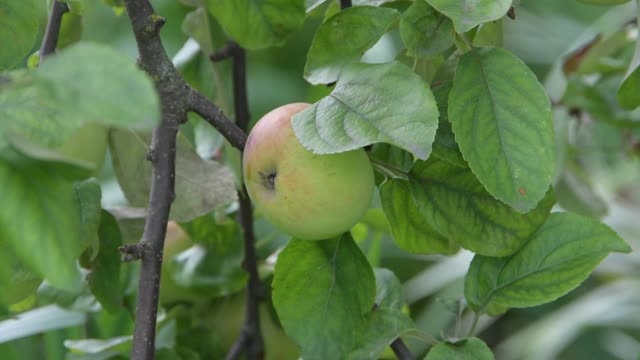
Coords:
pixel 50 40
pixel 401 350
pixel 250 340
pixel 345 4
pixel 173 93
pixel 212 114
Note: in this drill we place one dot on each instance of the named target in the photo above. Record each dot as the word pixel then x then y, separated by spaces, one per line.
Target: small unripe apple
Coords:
pixel 306 195
pixel 88 144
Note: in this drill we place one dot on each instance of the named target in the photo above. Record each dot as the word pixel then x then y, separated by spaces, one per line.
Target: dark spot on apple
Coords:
pixel 268 179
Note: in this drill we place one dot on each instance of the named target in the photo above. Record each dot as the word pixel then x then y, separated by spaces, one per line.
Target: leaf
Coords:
pixel 322 291
pixel 370 104
pixel 196 25
pixel 40 211
pixel 383 327
pixel 457 206
pixel 342 39
pixel 48 104
pixel 445 146
pixel 88 195
pixel 39 320
pixel 74 80
pixel 604 2
pixel 201 185
pixel 559 257
pixel 214 266
pixel 104 278
pixel 466 349
pixel 388 290
pixel 627 95
pixel 410 230
pixel 502 121
pixel 257 24
pixel 466 14
pixel 489 34
pixel 575 193
pixel 19 29
pixel 425 31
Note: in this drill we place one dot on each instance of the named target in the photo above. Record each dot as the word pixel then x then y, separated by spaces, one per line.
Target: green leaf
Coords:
pixel 196 25
pixel 383 327
pixel 466 14
pixel 75 80
pixel 39 320
pixel 559 257
pixel 104 278
pixel 19 29
pixel 370 104
pixel 425 31
pixel 40 211
pixel 457 206
pixel 214 266
pixel 257 24
pixel 604 2
pixel 89 194
pixel 322 291
pixel 215 186
pixel 410 230
pixel 445 146
pixel 342 39
pixel 24 153
pixel 388 290
pixel 489 34
pixel 48 104
pixel 628 95
pixel 466 349
pixel 502 120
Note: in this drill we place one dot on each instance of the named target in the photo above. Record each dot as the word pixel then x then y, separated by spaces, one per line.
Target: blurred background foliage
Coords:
pixel 579 52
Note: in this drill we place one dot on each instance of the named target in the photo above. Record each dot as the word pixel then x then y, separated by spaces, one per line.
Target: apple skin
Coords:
pixel 306 195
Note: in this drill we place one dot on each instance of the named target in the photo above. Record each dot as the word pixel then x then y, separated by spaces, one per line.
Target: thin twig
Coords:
pixel 223 53
pixel 250 340
pixel 50 40
pixel 345 4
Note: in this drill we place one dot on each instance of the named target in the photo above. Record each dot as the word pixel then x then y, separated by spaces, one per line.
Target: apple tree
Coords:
pixel 318 179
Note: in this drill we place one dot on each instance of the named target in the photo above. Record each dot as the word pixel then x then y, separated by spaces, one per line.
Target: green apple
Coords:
pixel 306 195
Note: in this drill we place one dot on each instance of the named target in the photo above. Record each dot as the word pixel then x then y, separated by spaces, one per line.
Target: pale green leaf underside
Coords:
pixel 201 185
pixel 322 292
pixel 559 257
pixel 410 230
pixel 466 14
pixel 257 24
pixel 343 38
pixel 457 206
pixel 502 121
pixel 467 349
pixel 83 83
pixel 371 104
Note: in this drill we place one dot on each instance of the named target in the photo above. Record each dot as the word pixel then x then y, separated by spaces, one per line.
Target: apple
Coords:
pixel 306 195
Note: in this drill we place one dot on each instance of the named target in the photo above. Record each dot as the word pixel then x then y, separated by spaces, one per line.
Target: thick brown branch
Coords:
pixel 173 93
pixel 50 40
pixel 199 104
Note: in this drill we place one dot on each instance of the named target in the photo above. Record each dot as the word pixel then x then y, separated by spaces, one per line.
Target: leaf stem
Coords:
pixel 401 350
pixel 474 325
pixel 388 170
